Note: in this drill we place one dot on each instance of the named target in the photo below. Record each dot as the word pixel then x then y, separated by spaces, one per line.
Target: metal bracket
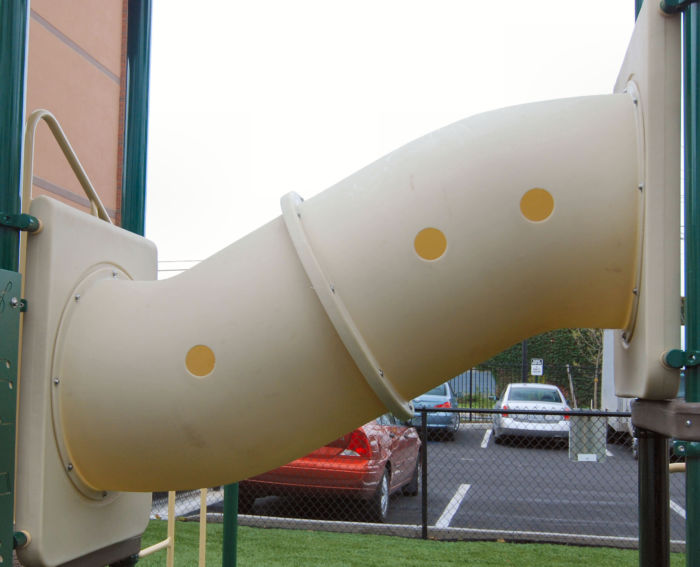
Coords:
pixel 21 539
pixel 677 358
pixel 21 221
pixel 675 6
pixel 676 419
pixel 686 448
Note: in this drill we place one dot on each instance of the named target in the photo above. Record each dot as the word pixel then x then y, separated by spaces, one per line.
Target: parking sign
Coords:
pixel 536 366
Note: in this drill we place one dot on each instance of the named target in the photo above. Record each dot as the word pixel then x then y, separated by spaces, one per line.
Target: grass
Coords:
pixel 293 548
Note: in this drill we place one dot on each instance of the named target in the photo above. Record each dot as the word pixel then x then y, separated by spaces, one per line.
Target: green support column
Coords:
pixel 14 22
pixel 230 546
pixel 133 209
pixel 654 512
pixel 138 63
pixel 691 36
pixel 691 161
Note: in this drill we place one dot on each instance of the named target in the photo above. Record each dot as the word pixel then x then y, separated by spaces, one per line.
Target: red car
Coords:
pixel 370 463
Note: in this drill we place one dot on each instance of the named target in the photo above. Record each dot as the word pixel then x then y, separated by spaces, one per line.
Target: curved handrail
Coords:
pixel 96 206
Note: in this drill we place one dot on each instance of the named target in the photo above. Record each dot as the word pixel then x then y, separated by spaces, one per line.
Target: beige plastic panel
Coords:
pixel 652 69
pixel 63 521
pixel 442 253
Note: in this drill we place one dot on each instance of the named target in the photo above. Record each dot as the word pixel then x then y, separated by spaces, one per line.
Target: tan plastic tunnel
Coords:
pixel 428 261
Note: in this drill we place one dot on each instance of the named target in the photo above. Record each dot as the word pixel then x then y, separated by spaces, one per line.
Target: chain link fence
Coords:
pixel 576 489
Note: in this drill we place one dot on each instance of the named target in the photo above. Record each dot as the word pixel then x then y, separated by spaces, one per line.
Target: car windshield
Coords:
pixel 518 394
pixel 437 391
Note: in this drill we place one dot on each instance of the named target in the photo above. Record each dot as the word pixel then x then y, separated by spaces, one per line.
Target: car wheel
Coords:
pixel 452 431
pixel 411 489
pixel 497 439
pixel 379 504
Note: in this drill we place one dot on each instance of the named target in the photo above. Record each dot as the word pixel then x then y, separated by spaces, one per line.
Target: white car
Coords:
pixel 542 397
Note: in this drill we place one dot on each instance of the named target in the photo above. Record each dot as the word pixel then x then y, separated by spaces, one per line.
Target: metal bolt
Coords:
pixel 640 186
pixel 332 288
pixel 77 297
pixel 381 373
pixel 56 381
pixel 14 302
pixel 635 291
pixel 635 100
pixel 115 274
pixel 688 423
pixel 680 448
pixel 70 467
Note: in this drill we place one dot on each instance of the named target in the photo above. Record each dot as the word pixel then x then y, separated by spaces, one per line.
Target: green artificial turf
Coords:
pixel 293 548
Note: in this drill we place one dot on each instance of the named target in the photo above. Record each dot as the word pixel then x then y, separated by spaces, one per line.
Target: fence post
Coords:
pixel 424 477
pixel 471 391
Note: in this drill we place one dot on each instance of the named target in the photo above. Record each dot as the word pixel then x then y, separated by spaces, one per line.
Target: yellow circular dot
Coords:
pixel 537 204
pixel 200 361
pixel 430 243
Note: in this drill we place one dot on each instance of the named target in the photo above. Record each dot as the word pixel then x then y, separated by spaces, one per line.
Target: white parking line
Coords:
pixel 485 440
pixel 678 509
pixel 451 509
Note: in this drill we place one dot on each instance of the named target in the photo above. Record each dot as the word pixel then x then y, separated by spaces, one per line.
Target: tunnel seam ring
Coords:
pixel 59 378
pixel 338 314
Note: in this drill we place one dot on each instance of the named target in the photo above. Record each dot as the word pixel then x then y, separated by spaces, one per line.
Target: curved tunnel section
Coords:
pixel 443 253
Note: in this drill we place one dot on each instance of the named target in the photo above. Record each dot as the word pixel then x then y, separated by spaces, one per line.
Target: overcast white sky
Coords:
pixel 251 100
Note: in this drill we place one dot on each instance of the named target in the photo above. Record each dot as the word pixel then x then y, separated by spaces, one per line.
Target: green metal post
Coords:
pixel 230 525
pixel 14 23
pixel 637 7
pixel 654 512
pixel 691 73
pixel 133 209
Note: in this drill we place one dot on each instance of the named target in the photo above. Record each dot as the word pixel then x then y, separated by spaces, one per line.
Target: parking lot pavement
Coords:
pixel 475 484
pixel 537 488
